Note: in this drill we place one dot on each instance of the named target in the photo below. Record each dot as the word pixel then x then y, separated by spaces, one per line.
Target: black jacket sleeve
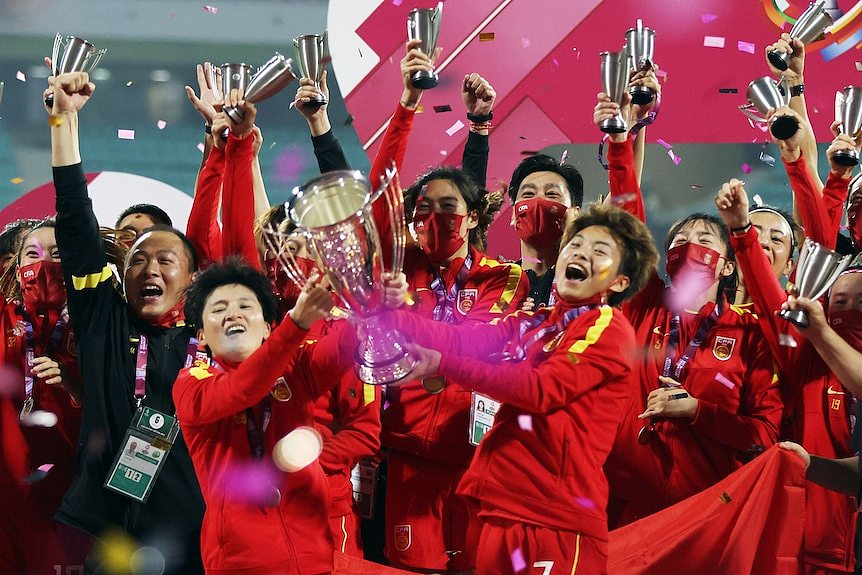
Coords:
pixel 475 159
pixel 330 156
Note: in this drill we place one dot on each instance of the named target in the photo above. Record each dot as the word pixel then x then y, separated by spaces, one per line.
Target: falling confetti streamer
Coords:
pixel 758 201
pixel 443 108
pixel 565 156
pixel 518 562
pixel 396 2
pixel 272 145
pixel 767 159
pixel 486 36
pixel 20 75
pixel 725 498
pixel 707 18
pixel 786 340
pixel 662 75
pixel 676 159
pixel 747 47
pixel 455 128
pixel 201 148
pixel 161 124
pixel 2 85
pixel 720 378
pixel 16 181
pixel 525 42
pixel 664 143
pixel 525 422
pixel 746 169
pixel 555 62
pixel 727 90
pixel 713 41
pixel 444 153
pixel 129 83
pixel 210 9
pixel 126 134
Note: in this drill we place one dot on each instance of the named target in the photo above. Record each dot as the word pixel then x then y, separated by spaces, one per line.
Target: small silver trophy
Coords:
pixel 269 80
pixel 818 269
pixel 615 78
pixel 78 56
pixel 640 46
pixel 334 213
pixel 765 94
pixel 424 24
pixel 848 111
pixel 810 26
pixel 311 51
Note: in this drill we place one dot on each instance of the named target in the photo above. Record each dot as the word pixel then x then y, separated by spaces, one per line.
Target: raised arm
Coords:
pixel 478 96
pixel 624 187
pixel 327 149
pixel 644 114
pixel 203 228
pixel 835 190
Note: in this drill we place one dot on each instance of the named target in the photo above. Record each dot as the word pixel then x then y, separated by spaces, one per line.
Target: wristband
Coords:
pixel 797 90
pixel 481 118
pixel 741 230
pixel 208 128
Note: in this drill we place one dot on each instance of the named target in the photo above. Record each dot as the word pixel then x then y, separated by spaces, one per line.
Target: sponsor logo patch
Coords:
pixel 723 347
pixel 403 537
pixel 280 391
pixel 466 299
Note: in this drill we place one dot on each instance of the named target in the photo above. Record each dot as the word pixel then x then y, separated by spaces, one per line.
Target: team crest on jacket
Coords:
pixel 280 391
pixel 403 537
pixel 466 299
pixel 723 347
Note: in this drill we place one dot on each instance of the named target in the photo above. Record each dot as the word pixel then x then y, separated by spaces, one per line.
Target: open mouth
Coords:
pixel 575 272
pixel 151 292
pixel 234 330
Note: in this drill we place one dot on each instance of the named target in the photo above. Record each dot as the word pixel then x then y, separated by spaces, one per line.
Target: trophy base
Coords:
pixel 234 114
pixel 846 157
pixel 424 80
pixel 615 125
pixel 49 100
pixel 387 373
pixel 797 317
pixel 316 102
pixel 783 127
pixel 641 95
pixel 779 59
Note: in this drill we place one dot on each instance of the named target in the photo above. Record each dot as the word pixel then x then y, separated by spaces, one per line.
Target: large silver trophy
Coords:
pixel 77 55
pixel 269 80
pixel 765 94
pixel 615 78
pixel 424 24
pixel 334 213
pixel 810 26
pixel 848 111
pixel 640 46
pixel 818 269
pixel 311 51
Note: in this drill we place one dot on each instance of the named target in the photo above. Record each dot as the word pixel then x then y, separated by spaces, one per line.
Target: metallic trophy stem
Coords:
pixel 311 54
pixel 72 54
pixel 640 47
pixel 269 80
pixel 817 270
pixel 809 27
pixel 764 94
pixel 848 111
pixel 615 76
pixel 424 24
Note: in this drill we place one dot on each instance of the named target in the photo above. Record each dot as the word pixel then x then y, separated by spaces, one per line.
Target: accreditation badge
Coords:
pixel 363 477
pixel 483 409
pixel 142 456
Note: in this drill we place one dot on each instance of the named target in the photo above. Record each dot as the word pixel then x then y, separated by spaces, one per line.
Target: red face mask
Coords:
pixel 691 268
pixel 854 224
pixel 439 235
pixel 42 286
pixel 539 222
pixel 283 286
pixel 848 324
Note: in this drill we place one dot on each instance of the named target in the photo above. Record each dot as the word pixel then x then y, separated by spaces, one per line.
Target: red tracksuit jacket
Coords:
pixel 818 410
pixel 542 461
pixel 821 215
pixel 241 537
pixel 435 426
pixel 731 375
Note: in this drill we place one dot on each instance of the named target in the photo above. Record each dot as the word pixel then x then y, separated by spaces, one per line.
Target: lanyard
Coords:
pixel 30 347
pixel 253 432
pixel 703 329
pixel 142 357
pixel 444 309
pixel 519 350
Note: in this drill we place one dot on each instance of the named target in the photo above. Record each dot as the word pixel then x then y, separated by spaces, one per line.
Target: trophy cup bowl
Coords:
pixel 848 111
pixel 311 52
pixel 615 78
pixel 640 46
pixel 424 24
pixel 810 26
pixel 764 94
pixel 818 269
pixel 78 55
pixel 334 213
pixel 269 80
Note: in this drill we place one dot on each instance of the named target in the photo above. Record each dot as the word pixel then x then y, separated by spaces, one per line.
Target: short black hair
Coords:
pixel 13 232
pixel 727 284
pixel 544 163
pixel 231 271
pixel 191 252
pixel 159 216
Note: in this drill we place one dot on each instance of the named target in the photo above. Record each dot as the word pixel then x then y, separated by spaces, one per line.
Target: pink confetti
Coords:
pixel 724 381
pixel 745 46
pixel 20 75
pixel 565 156
pixel 46 467
pixel 707 18
pixel 525 422
pixel 444 153
pixel 577 53
pixel 201 147
pixel 713 41
pixel 161 124
pixel 758 201
pixel 676 159
pixel 525 42
pixel 455 128
pixel 554 61
pixel 662 75
pixel 210 9
pixel 746 168
pixel 249 483
pixel 396 2
pixel 663 143
pixel 586 502
pixel 126 134
pixel 786 340
pixel 518 562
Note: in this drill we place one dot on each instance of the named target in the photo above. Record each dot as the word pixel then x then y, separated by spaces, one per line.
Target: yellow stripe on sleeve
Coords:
pixel 509 292
pixel 90 281
pixel 594 332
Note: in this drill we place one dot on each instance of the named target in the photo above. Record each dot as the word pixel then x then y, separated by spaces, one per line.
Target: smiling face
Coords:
pixel 234 326
pixel 775 238
pixel 157 272
pixel 589 265
pixel 39 245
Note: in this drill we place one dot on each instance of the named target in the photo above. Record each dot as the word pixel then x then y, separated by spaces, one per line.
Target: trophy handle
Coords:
pixel 438 12
pixel 747 110
pixel 96 59
pixel 274 242
pixel 296 42
pixel 839 107
pixel 55 54
pixel 390 188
